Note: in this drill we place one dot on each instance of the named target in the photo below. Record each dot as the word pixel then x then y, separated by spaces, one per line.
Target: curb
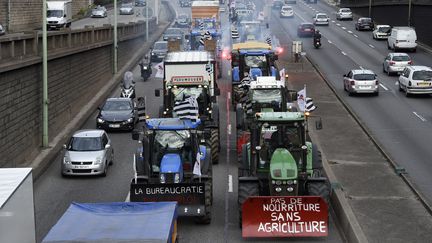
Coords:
pixel 47 156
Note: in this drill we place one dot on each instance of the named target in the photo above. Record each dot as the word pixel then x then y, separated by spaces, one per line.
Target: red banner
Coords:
pixel 297 216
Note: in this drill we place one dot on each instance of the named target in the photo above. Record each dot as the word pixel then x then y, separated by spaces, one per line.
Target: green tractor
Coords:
pixel 279 161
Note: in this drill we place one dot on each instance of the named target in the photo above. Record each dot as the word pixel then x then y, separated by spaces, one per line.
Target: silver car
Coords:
pixel 88 152
pixel 99 12
pixel 126 8
pixel 396 62
pixel 321 19
pixel 361 81
pixel 2 30
pixel 344 13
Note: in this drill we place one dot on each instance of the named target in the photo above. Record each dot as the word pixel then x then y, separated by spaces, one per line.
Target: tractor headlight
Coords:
pixel 145 67
pixel 278 189
pixel 130 120
pixel 177 178
pixel 100 120
pixel 278 183
pixel 162 178
pixel 290 182
pixel 290 189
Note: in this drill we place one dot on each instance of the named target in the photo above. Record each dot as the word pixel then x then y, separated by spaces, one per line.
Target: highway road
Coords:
pixel 53 193
pixel 402 125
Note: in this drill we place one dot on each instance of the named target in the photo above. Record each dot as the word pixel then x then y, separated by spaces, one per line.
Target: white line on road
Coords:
pixel 343 53
pixel 329 41
pixel 384 87
pixel 333 21
pixel 344 28
pixel 356 36
pixel 229 129
pixel 419 116
pixel 229 95
pixel 397 83
pixel 361 67
pixel 338 24
pixel 371 46
pixel 230 183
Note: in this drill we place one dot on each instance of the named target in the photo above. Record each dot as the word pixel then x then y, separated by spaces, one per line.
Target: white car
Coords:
pixel 361 81
pixel 286 12
pixel 321 19
pixel 88 152
pixel 416 80
pixel 402 38
pixel 344 13
pixel 381 32
pixel 396 62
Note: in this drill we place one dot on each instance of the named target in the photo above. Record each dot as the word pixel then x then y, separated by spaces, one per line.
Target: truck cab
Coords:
pixel 59 14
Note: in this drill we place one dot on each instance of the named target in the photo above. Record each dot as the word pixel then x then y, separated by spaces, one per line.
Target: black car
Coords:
pixel 173 34
pixel 117 114
pixel 159 51
pixel 364 24
pixel 182 21
pixel 140 3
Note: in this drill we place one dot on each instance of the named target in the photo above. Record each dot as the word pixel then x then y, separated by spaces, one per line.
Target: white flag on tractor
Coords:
pixel 301 99
pixel 197 165
pixel 159 70
pixel 282 74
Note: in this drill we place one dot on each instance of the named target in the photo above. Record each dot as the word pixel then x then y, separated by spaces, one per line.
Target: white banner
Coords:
pixel 197 165
pixel 159 70
pixel 301 99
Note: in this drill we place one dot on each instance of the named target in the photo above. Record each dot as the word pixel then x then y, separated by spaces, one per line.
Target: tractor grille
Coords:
pixel 291 173
pixel 169 178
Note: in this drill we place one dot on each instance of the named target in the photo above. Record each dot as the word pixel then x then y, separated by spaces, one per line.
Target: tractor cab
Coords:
pixel 268 94
pixel 250 30
pixel 200 27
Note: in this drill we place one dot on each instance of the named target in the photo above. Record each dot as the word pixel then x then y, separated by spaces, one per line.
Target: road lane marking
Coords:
pixel 229 95
pixel 329 41
pixel 333 21
pixel 338 24
pixel 344 28
pixel 229 72
pixel 371 46
pixel 361 67
pixel 230 183
pixel 419 116
pixel 356 36
pixel 384 87
pixel 343 53
pixel 349 31
pixel 229 129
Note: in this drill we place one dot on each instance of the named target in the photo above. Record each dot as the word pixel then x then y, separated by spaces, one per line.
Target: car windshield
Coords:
pixel 422 75
pixel 160 46
pixel 181 92
pixel 401 58
pixel 321 16
pixel 126 5
pixel 266 95
pixel 286 8
pixel 270 136
pixel 55 13
pixel 307 26
pixel 364 76
pixel 117 106
pixel 365 20
pixel 172 139
pixel 256 61
pixel 85 144
pixel 384 29
pixel 173 31
pixel 345 10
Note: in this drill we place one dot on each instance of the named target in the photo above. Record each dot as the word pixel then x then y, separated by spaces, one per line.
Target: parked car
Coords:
pixel 364 24
pixel 117 114
pixel 321 19
pixel 305 29
pixel 99 12
pixel 361 81
pixel 173 34
pixel 344 13
pixel 402 38
pixel 277 4
pixel 182 21
pixel 286 12
pixel 159 51
pixel 2 30
pixel 416 80
pixel 88 152
pixel 140 3
pixel 381 32
pixel 396 62
pixel 126 8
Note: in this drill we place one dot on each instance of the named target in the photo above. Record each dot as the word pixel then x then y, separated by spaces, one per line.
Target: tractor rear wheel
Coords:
pixel 213 143
pixel 245 190
pixel 317 166
pixel 319 188
pixel 206 219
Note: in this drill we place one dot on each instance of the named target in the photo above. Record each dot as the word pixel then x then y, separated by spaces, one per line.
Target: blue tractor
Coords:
pixel 171 165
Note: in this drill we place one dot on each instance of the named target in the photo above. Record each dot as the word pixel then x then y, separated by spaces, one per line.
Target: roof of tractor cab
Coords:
pixel 188 56
pixel 280 116
pixel 171 124
pixel 251 45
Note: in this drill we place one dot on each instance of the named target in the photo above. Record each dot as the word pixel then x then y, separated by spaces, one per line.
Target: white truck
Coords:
pixel 59 14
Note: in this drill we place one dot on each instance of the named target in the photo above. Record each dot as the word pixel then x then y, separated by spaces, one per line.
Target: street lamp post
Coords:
pixel 370 8
pixel 115 39
pixel 45 100
pixel 409 13
pixel 147 19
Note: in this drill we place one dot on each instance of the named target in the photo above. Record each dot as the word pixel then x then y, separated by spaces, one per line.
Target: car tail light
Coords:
pixel 391 63
pixel 376 82
pixel 352 82
pixel 410 63
pixel 409 83
pixel 397 41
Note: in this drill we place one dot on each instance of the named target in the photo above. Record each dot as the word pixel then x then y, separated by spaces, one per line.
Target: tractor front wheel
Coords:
pixel 245 190
pixel 319 188
pixel 213 143
pixel 206 219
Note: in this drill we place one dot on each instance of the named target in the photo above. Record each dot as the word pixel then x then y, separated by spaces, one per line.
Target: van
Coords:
pixel 59 14
pixel 402 38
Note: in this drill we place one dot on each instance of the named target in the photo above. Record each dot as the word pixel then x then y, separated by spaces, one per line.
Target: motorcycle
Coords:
pixel 317 43
pixel 146 69
pixel 128 86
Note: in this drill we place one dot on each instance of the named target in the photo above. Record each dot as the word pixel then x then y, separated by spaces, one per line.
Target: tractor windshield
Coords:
pixel 267 95
pixel 256 61
pixel 172 139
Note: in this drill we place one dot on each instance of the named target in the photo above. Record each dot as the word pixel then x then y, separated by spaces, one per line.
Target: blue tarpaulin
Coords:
pixel 120 222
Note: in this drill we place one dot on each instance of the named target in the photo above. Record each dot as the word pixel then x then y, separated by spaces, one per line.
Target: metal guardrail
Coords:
pixel 21 48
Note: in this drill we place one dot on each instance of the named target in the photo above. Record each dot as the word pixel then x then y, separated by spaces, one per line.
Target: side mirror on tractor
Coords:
pixel 216 91
pixel 157 92
pixel 318 124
